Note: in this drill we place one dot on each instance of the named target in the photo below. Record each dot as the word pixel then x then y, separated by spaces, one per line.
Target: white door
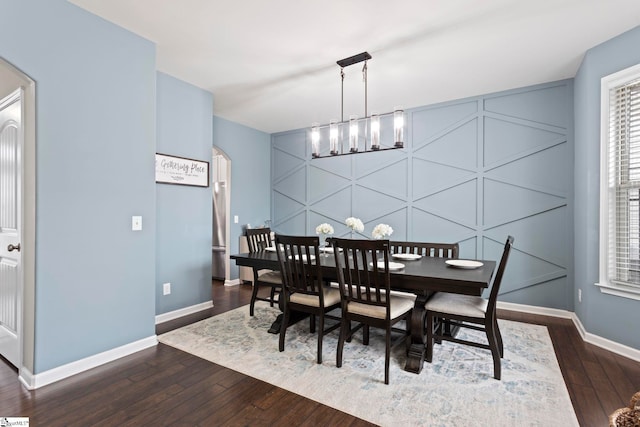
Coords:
pixel 10 226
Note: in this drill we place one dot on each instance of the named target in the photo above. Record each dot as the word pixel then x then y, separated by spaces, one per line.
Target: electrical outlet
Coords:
pixel 166 288
pixel 579 295
pixel 136 223
pixel 235 219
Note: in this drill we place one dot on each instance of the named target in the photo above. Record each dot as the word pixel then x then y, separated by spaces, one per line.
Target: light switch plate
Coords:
pixel 235 219
pixel 136 223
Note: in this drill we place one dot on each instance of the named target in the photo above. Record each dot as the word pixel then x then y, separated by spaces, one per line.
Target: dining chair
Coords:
pixel 436 250
pixel 440 250
pixel 362 268
pixel 258 240
pixel 303 288
pixel 468 311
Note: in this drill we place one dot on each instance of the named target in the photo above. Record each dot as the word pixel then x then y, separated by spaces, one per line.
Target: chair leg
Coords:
pixel 493 345
pixel 499 338
pixel 365 335
pixel 387 354
pixel 343 333
pixel 429 355
pixel 254 295
pixel 444 329
pixel 320 334
pixel 408 338
pixel 312 324
pixel 283 328
pixel 273 295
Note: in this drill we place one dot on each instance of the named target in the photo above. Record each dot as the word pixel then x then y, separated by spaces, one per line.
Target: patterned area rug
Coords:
pixel 457 389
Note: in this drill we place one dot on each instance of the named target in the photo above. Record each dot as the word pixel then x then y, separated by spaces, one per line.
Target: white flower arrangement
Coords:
pixel 324 228
pixel 355 224
pixel 381 231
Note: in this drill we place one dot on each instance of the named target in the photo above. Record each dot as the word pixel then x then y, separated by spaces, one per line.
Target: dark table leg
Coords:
pixel 294 317
pixel 415 357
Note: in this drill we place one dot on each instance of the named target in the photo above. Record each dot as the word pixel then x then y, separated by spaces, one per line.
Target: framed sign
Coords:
pixel 182 171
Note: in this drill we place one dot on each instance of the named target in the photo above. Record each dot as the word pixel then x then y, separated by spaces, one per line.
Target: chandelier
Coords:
pixel 357 135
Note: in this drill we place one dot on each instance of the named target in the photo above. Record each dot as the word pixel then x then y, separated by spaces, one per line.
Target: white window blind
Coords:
pixel 624 185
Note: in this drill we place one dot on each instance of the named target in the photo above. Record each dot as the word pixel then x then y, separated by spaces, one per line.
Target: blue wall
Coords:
pixel 609 316
pixel 184 225
pixel 96 124
pixel 249 151
pixel 96 282
pixel 473 171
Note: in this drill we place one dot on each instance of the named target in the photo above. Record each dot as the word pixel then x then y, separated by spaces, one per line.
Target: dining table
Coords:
pixel 422 277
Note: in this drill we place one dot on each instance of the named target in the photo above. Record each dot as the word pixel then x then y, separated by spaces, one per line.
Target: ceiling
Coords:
pixel 271 65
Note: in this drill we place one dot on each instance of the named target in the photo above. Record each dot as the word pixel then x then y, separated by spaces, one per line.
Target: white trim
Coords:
pixel 619 290
pixel 32 381
pixel 534 309
pixel 612 346
pixel 606 84
pixel 176 314
pixel 28 216
pixel 234 282
pixel 26 378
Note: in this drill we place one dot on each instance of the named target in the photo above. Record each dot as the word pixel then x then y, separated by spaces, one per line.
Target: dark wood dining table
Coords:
pixel 422 277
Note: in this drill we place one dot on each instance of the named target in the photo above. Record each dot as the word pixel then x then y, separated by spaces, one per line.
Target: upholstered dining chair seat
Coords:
pixel 461 305
pixel 331 297
pixel 269 276
pixel 398 306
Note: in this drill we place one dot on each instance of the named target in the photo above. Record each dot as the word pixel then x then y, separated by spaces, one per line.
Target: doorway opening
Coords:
pixel 221 174
pixel 17 224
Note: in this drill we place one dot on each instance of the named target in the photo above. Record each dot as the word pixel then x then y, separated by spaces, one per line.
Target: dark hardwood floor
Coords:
pixel 163 386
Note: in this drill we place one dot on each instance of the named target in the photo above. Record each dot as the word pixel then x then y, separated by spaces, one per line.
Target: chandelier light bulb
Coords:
pixel 398 127
pixel 315 140
pixel 333 138
pixel 353 134
pixel 375 131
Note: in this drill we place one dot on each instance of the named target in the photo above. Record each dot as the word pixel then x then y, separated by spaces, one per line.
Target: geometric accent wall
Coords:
pixel 472 171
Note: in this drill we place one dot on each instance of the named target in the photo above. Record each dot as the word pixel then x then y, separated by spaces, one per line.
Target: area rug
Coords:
pixel 457 389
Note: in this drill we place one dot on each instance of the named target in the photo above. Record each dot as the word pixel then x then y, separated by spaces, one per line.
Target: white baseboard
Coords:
pixel 176 314
pixel 32 381
pixel 234 282
pixel 26 378
pixel 533 309
pixel 605 343
pixel 612 346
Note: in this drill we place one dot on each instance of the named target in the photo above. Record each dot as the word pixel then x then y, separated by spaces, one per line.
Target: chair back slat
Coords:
pixel 438 250
pixel 497 280
pixel 300 264
pixel 360 277
pixel 258 239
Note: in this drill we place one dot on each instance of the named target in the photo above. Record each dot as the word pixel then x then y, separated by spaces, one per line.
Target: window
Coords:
pixel 620 184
